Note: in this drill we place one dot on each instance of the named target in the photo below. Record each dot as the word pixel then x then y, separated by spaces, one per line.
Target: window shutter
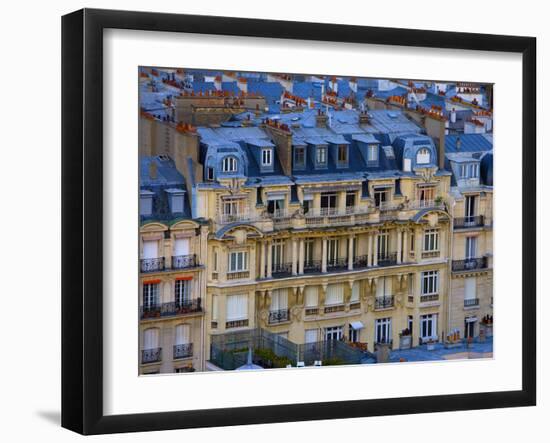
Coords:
pixel 355 292
pixel 181 247
pixel 237 307
pixel 151 338
pixel 312 296
pixel 279 299
pixel 182 334
pixel 469 288
pixel 150 249
pixel 335 294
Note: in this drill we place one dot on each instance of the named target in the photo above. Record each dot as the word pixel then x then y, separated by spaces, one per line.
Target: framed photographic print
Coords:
pixel 271 221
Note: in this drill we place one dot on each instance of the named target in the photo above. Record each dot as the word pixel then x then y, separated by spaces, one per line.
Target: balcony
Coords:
pixel 152 264
pixel 236 324
pixel 171 309
pixel 355 305
pixel 224 219
pixel 337 264
pixel 281 269
pixel 388 259
pixel 184 261
pixel 469 264
pixel 238 275
pixel 278 316
pixel 348 216
pixel 151 355
pixel 184 350
pixel 471 302
pixel 312 266
pixel 474 221
pixel 429 298
pixel 360 261
pixel 385 302
pixel 426 204
pixel 387 206
pixel 334 308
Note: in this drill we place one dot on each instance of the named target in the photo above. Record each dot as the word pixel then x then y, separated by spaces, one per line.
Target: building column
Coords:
pixel 269 257
pixel 324 256
pixel 399 239
pixel 262 259
pixel 294 257
pixel 369 250
pixel 405 246
pixel 350 252
pixel 375 250
pixel 301 257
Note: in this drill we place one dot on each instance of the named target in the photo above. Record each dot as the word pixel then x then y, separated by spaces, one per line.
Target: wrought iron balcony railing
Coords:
pixel 312 266
pixel 152 355
pixel 473 221
pixel 471 302
pixel 360 261
pixel 384 302
pixel 281 269
pixel 387 259
pixel 184 261
pixel 236 324
pixel 183 350
pixel 171 309
pixel 469 264
pixel 152 264
pixel 337 264
pixel 278 316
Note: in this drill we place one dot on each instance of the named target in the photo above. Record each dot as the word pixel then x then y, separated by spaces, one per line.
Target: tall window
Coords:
pixel 328 204
pixel 150 295
pixel 350 202
pixel 428 327
pixel 474 170
pixel 342 155
pixel 236 307
pixel 423 156
pixel 332 251
pixel 311 297
pixel 470 208
pixel 307 203
pixel 382 330
pixel 430 282
pixel 279 300
pixel 229 164
pixel 425 195
pixel 233 206
pixel 353 334
pixel 276 205
pixel 463 171
pixel 431 240
pixel 383 244
pixel 381 196
pixel 471 247
pixel 335 294
pixel 299 157
pixel 277 254
pixel 183 334
pixel 238 261
pixel 209 174
pixel 183 293
pixel 333 333
pixel 321 156
pixel 267 159
pixel 151 338
pixel 308 250
pixel 372 154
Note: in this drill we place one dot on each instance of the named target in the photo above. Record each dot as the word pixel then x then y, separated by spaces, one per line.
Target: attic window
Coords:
pixel 229 164
pixel 299 157
pixel 342 155
pixel 267 157
pixel 423 156
pixel 372 154
pixel 321 156
pixel 209 173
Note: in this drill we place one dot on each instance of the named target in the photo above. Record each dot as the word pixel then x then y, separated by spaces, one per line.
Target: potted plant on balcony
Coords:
pixel 405 339
pixel 430 343
pixel 438 200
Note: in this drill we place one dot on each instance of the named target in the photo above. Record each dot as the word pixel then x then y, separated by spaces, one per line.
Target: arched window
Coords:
pixel 229 164
pixel 423 156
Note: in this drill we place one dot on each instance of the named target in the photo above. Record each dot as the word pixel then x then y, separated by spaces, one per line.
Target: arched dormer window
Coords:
pixel 229 164
pixel 423 156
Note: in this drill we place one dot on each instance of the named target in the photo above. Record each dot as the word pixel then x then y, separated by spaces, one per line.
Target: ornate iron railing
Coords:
pixel 152 264
pixel 474 221
pixel 184 261
pixel 337 263
pixel 171 308
pixel 470 264
pixel 151 355
pixel 281 269
pixel 311 266
pixel 236 324
pixel 183 350
pixel 278 316
pixel 471 302
pixel 388 259
pixel 360 261
pixel 383 302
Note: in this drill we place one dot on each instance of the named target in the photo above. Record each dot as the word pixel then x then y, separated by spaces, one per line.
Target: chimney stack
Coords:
pixel 321 119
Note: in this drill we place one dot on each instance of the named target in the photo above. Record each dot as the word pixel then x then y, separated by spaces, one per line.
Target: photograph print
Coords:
pixel 291 221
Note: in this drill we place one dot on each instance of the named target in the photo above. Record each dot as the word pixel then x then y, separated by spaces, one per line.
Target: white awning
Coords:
pixel 471 319
pixel 357 325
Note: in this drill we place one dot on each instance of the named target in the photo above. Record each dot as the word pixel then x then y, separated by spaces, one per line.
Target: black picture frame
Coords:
pixel 82 217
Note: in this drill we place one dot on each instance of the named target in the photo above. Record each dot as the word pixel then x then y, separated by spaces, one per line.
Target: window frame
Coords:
pixel 240 256
pixel 230 164
pixel 429 282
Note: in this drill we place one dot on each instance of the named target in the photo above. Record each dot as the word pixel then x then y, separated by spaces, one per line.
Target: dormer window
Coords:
pixel 229 164
pixel 267 157
pixel 474 170
pixel 321 156
pixel 176 200
pixel 342 155
pixel 145 202
pixel 423 156
pixel 299 157
pixel 209 173
pixel 469 170
pixel 372 154
pixel 463 171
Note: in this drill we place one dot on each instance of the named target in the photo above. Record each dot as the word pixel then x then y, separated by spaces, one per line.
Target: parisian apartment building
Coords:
pixel 358 211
